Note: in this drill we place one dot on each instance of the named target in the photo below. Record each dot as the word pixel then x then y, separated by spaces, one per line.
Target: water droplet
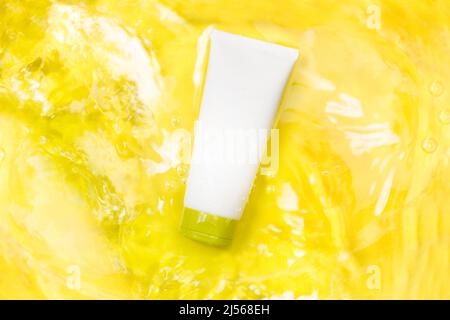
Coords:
pixel 444 116
pixel 429 145
pixel 436 88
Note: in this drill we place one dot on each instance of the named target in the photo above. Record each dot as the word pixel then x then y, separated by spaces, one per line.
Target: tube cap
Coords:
pixel 207 228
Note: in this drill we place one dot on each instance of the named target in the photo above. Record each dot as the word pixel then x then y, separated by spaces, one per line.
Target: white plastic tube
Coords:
pixel 245 80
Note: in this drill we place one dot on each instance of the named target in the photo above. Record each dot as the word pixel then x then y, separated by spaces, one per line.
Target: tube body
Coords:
pixel 244 83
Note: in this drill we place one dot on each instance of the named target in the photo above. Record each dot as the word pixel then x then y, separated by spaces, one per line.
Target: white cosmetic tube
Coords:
pixel 245 80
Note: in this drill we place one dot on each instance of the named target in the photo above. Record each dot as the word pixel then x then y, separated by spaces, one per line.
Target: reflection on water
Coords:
pixel 92 179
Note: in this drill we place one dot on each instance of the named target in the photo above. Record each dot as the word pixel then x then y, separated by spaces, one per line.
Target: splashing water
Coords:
pixel 92 95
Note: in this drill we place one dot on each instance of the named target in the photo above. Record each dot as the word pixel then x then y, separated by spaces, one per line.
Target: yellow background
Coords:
pixel 91 182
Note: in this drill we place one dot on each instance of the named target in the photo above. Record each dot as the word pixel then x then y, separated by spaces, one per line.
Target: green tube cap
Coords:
pixel 207 228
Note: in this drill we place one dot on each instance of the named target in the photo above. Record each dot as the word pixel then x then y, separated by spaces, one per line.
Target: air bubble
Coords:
pixel 182 172
pixel 444 116
pixel 175 122
pixel 429 145
pixel 270 188
pixel 170 185
pixel 436 88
